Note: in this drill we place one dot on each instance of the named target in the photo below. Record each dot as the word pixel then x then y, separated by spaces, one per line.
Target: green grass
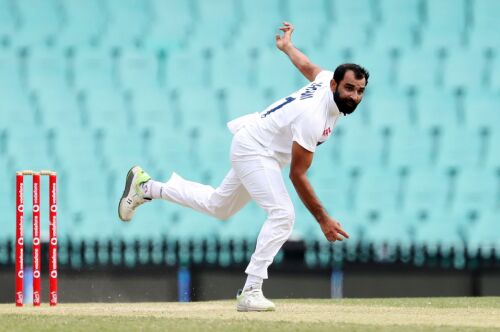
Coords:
pixel 412 314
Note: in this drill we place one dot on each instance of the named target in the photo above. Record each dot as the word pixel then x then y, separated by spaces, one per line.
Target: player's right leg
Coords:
pixel 221 202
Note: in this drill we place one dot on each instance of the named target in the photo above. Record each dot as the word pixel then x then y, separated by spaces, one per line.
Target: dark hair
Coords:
pixel 359 72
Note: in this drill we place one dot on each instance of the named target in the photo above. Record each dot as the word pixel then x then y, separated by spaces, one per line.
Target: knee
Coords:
pixel 285 216
pixel 222 214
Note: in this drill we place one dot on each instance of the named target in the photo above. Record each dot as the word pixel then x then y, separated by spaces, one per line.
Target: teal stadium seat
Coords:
pixel 47 68
pixel 481 108
pixel 95 68
pixel 437 229
pixel 242 100
pixel 187 69
pixel 152 108
pixel 346 12
pixel 302 14
pixel 127 22
pixel 398 24
pixel 427 189
pixel 450 32
pixel 39 23
pixel 484 30
pixel 235 68
pixel 141 69
pixel 385 229
pixel 414 71
pixel 460 75
pixel 410 147
pixel 275 73
pixel 7 20
pixel 260 19
pixel 84 24
pixel 210 15
pixel 482 237
pixel 58 108
pixel 477 190
pixel 437 108
pixel 103 107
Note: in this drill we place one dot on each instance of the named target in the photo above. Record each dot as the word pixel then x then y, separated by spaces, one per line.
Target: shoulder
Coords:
pixel 324 75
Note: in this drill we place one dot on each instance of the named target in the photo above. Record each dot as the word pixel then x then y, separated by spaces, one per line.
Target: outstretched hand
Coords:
pixel 332 230
pixel 285 41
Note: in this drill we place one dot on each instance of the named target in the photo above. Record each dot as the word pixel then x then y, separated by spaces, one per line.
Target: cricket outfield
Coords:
pixel 408 314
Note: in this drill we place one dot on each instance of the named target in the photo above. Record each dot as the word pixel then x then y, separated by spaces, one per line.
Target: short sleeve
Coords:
pixel 304 133
pixel 324 75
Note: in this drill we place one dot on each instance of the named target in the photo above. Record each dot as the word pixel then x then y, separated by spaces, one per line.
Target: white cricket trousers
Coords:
pixel 255 174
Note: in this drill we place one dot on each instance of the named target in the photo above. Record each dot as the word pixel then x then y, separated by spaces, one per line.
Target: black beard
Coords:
pixel 345 106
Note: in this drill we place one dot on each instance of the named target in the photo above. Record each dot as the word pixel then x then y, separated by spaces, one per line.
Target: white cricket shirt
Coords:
pixel 307 117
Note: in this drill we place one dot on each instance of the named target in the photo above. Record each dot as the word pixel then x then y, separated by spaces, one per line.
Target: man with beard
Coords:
pixel 288 131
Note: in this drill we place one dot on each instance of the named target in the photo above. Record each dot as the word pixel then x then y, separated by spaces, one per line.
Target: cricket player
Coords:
pixel 287 132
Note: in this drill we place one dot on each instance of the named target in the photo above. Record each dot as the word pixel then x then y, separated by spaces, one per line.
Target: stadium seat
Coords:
pixel 127 22
pixel 95 68
pixel 346 12
pixel 398 24
pixel 449 32
pixel 481 237
pixel 172 22
pixel 481 108
pixel 437 229
pixel 427 189
pixel 84 25
pixel 486 25
pixel 39 23
pixel 476 190
pixel 140 69
pixel 301 14
pixel 235 68
pixel 260 19
pixel 414 71
pixel 7 20
pixel 209 18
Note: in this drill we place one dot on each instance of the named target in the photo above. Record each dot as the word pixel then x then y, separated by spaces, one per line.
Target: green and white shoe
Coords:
pixel 133 195
pixel 253 300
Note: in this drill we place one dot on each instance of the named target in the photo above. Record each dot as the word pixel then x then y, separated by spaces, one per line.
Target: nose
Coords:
pixel 357 98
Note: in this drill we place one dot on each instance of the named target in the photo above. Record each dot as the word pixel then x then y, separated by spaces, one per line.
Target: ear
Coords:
pixel 333 85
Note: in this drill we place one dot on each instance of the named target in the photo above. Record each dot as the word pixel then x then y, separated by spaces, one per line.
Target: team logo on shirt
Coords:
pixel 326 133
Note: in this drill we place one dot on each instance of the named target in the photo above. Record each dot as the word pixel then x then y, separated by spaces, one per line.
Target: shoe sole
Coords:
pixel 246 309
pixel 126 191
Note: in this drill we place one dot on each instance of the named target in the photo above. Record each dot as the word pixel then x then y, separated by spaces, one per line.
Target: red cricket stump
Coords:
pixel 19 238
pixel 53 239
pixel 37 247
pixel 37 255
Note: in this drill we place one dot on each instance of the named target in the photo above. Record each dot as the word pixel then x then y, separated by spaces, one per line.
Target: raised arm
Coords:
pixel 301 161
pixel 299 59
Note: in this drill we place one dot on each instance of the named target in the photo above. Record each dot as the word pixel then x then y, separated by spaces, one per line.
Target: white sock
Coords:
pixel 152 189
pixel 253 282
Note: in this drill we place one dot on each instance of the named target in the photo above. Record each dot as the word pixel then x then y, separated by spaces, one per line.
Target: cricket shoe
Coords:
pixel 253 300
pixel 133 195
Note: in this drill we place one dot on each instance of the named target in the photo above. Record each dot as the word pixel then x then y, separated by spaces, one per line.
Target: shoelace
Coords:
pixel 136 203
pixel 255 293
